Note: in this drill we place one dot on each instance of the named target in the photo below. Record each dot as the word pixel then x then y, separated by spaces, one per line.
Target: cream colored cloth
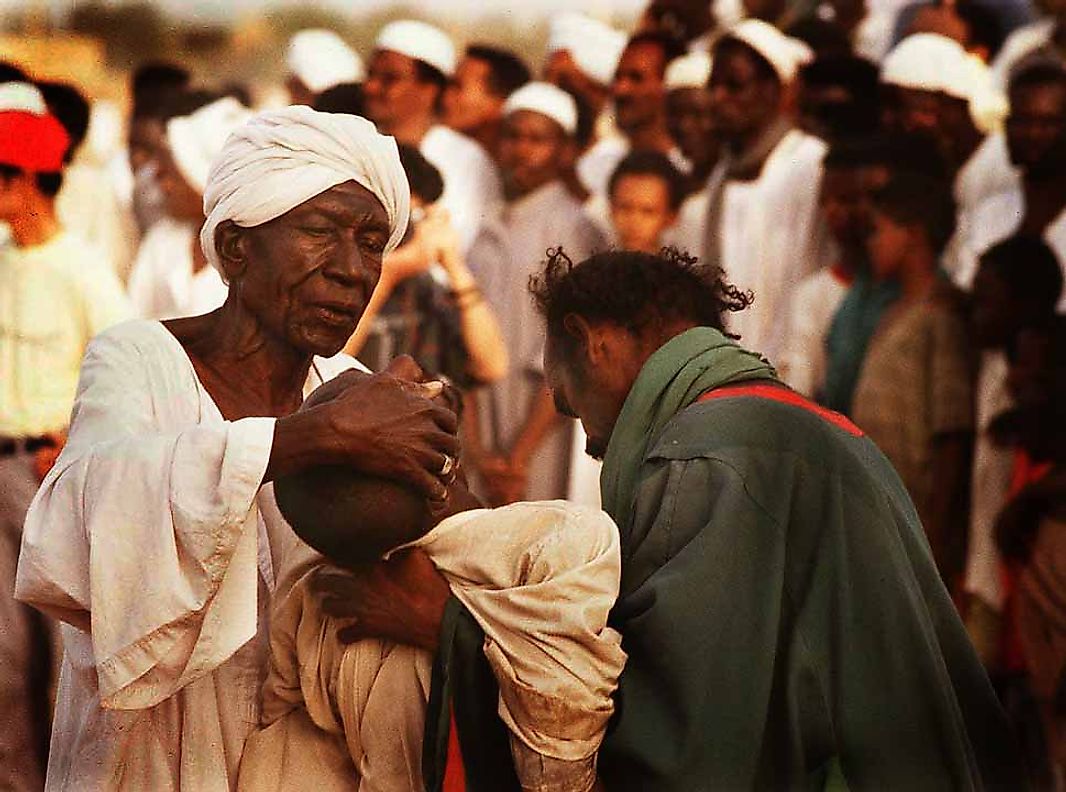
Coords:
pixel 163 285
pixel 282 158
pixel 595 47
pixel 546 99
pixel 152 540
pixel 321 59
pixel 195 140
pixel 53 299
pixel 539 578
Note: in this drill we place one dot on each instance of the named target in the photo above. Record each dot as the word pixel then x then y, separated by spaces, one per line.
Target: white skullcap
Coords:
pixel 420 41
pixel 689 71
pixel 595 47
pixel 784 53
pixel 931 62
pixel 282 158
pixel 546 99
pixel 320 59
pixel 196 139
pixel 22 96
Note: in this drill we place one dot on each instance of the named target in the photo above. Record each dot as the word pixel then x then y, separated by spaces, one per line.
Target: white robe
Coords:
pixel 1020 43
pixel 539 578
pixel 153 542
pixel 771 238
pixel 163 285
pixel 472 187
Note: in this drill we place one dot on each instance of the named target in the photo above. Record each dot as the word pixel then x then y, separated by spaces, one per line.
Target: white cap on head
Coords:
pixel 595 47
pixel 196 139
pixel 281 158
pixel 320 59
pixel 784 53
pixel 420 41
pixel 689 71
pixel 931 62
pixel 23 96
pixel 546 99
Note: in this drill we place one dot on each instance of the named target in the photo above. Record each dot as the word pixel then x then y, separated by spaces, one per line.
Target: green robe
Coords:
pixel 785 623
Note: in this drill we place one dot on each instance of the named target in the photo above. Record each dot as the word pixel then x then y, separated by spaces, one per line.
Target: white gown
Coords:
pixel 153 541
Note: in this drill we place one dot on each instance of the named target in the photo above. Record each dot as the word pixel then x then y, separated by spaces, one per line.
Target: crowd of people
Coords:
pixel 869 198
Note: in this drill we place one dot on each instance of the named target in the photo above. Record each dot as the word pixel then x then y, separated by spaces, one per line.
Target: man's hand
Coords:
pixel 400 600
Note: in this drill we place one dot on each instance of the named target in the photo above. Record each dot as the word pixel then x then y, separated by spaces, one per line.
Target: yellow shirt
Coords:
pixel 53 299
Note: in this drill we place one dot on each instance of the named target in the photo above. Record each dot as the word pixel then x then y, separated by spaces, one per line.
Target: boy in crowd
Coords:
pixel 915 393
pixel 645 193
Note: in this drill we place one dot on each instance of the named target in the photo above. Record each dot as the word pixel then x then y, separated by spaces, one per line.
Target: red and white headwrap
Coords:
pixel 33 142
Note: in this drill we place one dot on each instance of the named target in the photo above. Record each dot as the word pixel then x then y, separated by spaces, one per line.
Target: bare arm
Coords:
pixel 541 419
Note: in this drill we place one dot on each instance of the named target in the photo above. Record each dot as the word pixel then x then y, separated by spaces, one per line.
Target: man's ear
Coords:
pixel 591 339
pixel 230 245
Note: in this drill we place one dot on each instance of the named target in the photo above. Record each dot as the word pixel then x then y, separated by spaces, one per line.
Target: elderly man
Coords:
pixel 407 78
pixel 474 99
pixel 56 293
pixel 516 444
pixel 171 276
pixel 155 536
pixel 762 198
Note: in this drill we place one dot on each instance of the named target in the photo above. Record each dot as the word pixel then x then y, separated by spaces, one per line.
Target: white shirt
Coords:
pixel 154 544
pixel 802 363
pixel 163 285
pixel 995 219
pixel 770 238
pixel 472 187
pixel 688 233
pixel 53 299
pixel 595 166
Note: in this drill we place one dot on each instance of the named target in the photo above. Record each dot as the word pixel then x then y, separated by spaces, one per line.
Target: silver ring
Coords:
pixel 448 466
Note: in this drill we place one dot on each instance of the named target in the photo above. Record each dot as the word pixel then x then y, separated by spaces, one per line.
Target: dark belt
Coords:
pixel 9 446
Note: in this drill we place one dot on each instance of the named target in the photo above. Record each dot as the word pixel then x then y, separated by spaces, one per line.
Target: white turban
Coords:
pixel 931 62
pixel 22 96
pixel 282 158
pixel 595 47
pixel 784 53
pixel 420 41
pixel 546 99
pixel 196 139
pixel 320 59
pixel 689 71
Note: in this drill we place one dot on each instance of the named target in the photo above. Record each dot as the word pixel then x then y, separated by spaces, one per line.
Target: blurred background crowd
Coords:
pixel 887 178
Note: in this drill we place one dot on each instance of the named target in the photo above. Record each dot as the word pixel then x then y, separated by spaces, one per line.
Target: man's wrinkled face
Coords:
pixel 469 102
pixel 1036 126
pixel 638 91
pixel 393 91
pixel 308 275
pixel 691 124
pixel 534 149
pixel 743 100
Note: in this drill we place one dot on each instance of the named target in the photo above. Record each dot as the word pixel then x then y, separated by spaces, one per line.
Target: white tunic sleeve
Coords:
pixel 145 532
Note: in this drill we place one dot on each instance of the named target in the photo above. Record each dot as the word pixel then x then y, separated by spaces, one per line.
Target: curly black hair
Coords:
pixel 640 292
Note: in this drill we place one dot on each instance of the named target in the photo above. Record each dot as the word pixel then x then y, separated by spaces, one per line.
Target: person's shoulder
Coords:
pixel 448 143
pixel 144 339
